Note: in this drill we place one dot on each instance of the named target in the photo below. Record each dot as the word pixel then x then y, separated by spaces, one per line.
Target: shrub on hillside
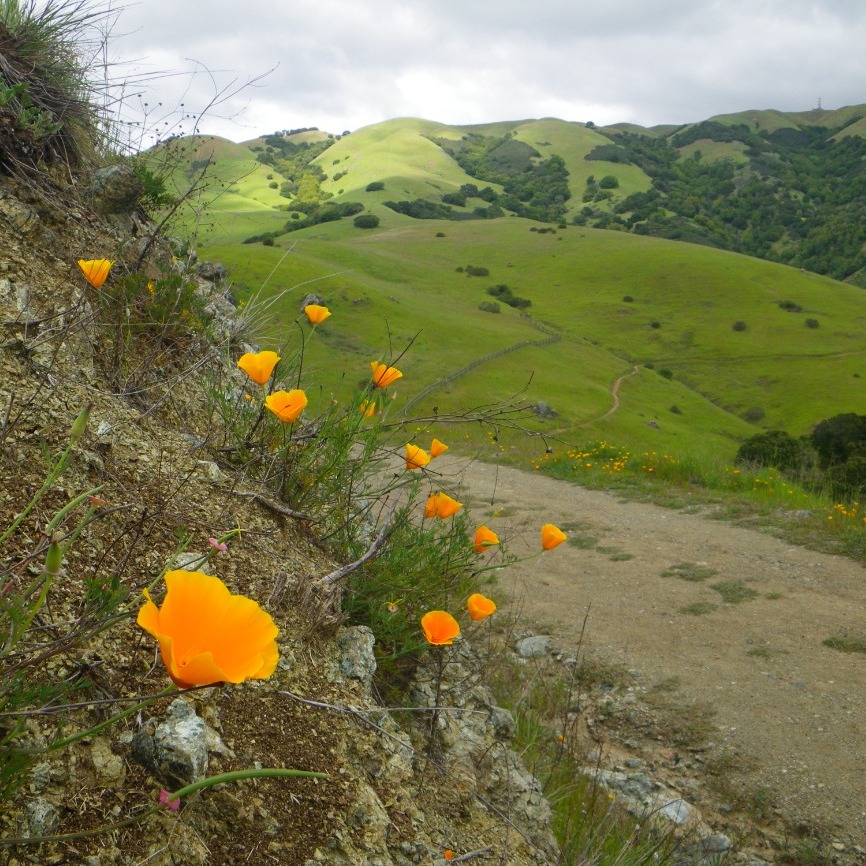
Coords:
pixel 366 221
pixel 778 449
pixel 609 181
pixel 739 325
pixel 849 478
pixel 790 307
pixel 754 414
pixel 839 438
pixel 489 307
pixel 811 323
pixel 474 271
pixel 375 186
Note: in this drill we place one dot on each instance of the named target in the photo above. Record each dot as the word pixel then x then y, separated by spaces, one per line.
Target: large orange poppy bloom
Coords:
pixel 416 457
pixel 441 505
pixel 287 405
pixel 208 635
pixel 551 536
pixel 479 606
pixel 437 448
pixel 383 375
pixel 259 366
pixel 485 538
pixel 316 313
pixel 95 271
pixel 440 628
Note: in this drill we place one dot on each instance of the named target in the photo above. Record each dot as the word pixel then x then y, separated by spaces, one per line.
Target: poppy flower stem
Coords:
pixel 238 775
pixel 440 668
pixel 56 471
pixel 68 741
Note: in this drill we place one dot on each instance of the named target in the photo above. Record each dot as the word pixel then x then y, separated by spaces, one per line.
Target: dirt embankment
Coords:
pixel 736 626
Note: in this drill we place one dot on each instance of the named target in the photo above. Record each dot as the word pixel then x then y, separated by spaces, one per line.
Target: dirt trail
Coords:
pixel 796 708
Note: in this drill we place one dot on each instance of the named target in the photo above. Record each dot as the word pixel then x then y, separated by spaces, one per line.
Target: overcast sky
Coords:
pixel 343 64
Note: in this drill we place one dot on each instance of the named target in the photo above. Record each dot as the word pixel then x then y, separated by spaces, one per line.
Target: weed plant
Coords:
pixel 806 512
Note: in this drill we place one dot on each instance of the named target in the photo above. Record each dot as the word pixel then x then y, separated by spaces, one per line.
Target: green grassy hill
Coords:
pixel 724 344
pixel 388 287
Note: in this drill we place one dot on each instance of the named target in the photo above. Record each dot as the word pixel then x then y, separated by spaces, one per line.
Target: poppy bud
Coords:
pixel 54 558
pixel 79 425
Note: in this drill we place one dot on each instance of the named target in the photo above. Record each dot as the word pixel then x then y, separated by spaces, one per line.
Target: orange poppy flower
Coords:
pixel 485 538
pixel 383 375
pixel 316 313
pixel 367 408
pixel 416 457
pixel 441 505
pixel 448 854
pixel 437 448
pixel 208 635
pixel 95 271
pixel 287 405
pixel 440 628
pixel 259 366
pixel 551 536
pixel 480 607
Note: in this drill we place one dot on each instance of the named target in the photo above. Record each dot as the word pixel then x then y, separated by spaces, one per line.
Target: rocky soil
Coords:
pixel 388 799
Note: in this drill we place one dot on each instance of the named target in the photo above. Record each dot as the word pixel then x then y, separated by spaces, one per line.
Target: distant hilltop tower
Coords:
pixel 819 105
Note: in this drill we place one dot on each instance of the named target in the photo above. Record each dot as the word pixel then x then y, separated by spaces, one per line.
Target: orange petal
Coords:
pixel 95 271
pixel 316 313
pixel 551 536
pixel 479 606
pixel 287 405
pixel 485 538
pixel 383 376
pixel 437 448
pixel 416 457
pixel 259 366
pixel 440 628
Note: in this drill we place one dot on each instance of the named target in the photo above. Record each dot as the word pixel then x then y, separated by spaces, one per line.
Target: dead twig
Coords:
pixel 371 551
pixel 276 507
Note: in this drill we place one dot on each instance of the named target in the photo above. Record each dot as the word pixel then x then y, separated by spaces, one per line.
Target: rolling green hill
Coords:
pixel 713 345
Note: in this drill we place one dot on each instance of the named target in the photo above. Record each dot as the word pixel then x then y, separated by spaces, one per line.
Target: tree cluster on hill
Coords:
pixel 833 455
pixel 799 196
pixel 294 160
pixel 532 187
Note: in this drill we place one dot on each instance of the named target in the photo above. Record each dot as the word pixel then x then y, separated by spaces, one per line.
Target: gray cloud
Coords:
pixel 341 64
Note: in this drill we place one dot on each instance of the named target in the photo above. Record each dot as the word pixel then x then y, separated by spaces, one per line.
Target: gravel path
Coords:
pixel 795 708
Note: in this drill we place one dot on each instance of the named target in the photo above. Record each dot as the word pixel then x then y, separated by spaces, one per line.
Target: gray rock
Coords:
pixel 677 811
pixel 42 817
pixel 357 659
pixel 716 843
pixel 18 215
pixel 502 722
pixel 177 749
pixel 211 271
pixel 534 647
pixel 543 410
pixel 108 766
pixel 113 190
pixel 312 299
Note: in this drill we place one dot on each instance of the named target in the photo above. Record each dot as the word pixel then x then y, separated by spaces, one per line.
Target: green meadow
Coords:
pixel 709 353
pixel 401 284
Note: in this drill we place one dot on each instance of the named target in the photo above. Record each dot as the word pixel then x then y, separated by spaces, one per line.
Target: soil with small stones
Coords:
pixel 723 626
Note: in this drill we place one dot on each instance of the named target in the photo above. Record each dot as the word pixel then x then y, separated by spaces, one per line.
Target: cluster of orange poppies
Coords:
pixel 208 635
pixel 440 628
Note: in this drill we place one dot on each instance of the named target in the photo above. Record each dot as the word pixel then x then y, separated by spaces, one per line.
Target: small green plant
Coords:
pixel 846 644
pixel 699 608
pixel 690 571
pixel 735 591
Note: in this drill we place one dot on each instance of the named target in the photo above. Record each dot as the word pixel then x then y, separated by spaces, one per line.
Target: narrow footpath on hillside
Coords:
pixel 716 616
